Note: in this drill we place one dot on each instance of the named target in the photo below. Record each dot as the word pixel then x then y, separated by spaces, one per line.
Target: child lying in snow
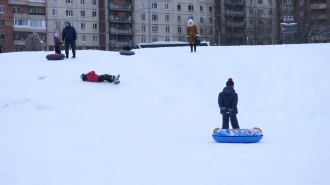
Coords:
pixel 93 77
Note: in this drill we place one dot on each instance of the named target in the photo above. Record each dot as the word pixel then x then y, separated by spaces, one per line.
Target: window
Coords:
pixel 54 12
pixel 94 26
pixel 143 17
pixel 69 13
pixel 142 5
pixel 17 9
pixel 42 37
pixel 94 13
pixel 2 22
pixel 36 23
pixel 2 36
pixel 83 26
pixel 154 39
pixel 251 21
pixel 82 2
pixel 286 2
pixel 167 29
pixel 18 49
pixel 155 29
pixel 83 38
pixel 143 28
pixel 54 1
pixel 93 2
pixel 201 8
pixel 259 1
pixel 211 30
pixel 201 30
pixel 210 9
pixel 270 22
pixel 179 39
pixel 211 20
pixel 37 10
pixel 95 38
pixel 191 17
pixel 178 7
pixel 191 8
pixel 167 18
pixel 201 19
pixel 20 22
pixel 82 13
pixel 166 6
pixel 18 36
pixel 154 17
pixel 2 9
pixel 68 1
pixel 167 39
pixel 179 18
pixel 154 5
pixel 270 12
pixel 179 30
pixel 270 1
pixel 260 22
pixel 260 11
pixel 143 39
pixel 301 2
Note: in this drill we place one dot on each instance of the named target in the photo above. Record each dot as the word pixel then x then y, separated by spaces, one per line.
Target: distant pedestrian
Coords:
pixel 192 34
pixel 69 34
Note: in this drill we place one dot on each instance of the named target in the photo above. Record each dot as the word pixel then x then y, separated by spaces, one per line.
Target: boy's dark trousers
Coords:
pixel 233 121
pixel 73 47
pixel 57 49
pixel 106 77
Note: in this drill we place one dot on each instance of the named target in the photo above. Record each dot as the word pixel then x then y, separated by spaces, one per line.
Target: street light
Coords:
pixel 116 35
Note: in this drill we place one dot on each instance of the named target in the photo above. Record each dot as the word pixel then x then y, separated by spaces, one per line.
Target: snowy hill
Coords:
pixel 155 127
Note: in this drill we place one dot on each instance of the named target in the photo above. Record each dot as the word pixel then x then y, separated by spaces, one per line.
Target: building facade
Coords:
pixel 17 20
pixel 83 16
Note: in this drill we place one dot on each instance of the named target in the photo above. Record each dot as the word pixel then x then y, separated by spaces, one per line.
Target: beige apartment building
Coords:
pixel 166 20
pixel 83 16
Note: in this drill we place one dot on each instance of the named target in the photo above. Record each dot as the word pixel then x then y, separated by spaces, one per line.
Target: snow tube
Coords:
pixel 55 56
pixel 124 52
pixel 237 135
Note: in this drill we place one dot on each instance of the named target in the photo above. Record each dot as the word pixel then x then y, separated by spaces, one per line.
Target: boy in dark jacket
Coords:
pixel 126 47
pixel 69 34
pixel 227 101
pixel 57 43
pixel 93 77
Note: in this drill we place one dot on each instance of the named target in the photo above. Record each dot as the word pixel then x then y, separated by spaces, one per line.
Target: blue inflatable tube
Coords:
pixel 237 135
pixel 55 56
pixel 125 52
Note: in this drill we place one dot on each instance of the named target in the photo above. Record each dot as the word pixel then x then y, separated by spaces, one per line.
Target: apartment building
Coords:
pixel 166 20
pixel 17 20
pixel 83 16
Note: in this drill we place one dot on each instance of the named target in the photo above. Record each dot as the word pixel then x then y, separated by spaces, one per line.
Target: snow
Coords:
pixel 155 127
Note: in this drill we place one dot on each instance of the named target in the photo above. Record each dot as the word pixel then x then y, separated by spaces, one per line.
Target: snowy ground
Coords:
pixel 155 127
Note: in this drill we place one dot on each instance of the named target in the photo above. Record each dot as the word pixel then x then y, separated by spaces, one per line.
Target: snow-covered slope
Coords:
pixel 155 127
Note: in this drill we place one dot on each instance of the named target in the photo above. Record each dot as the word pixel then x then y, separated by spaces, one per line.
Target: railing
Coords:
pixel 319 6
pixel 121 31
pixel 234 35
pixel 120 43
pixel 120 19
pixel 235 24
pixel 234 2
pixel 24 2
pixel 319 16
pixel 237 13
pixel 121 7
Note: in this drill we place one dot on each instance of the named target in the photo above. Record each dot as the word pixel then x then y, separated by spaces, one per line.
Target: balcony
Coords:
pixel 319 16
pixel 19 42
pixel 234 2
pixel 235 24
pixel 235 13
pixel 235 35
pixel 114 18
pixel 29 25
pixel 123 7
pixel 318 6
pixel 25 2
pixel 120 31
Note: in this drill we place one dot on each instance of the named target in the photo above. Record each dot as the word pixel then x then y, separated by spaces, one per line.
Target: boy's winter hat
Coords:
pixel 67 22
pixel 126 44
pixel 56 34
pixel 230 82
pixel 82 76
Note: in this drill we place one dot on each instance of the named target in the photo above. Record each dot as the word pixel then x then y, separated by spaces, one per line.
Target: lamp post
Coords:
pixel 116 35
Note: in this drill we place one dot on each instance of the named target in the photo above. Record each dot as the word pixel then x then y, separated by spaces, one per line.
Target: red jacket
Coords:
pixel 92 77
pixel 57 41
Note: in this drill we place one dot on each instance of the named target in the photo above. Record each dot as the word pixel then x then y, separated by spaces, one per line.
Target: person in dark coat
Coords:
pixel 69 34
pixel 126 47
pixel 192 34
pixel 93 77
pixel 227 101
pixel 57 43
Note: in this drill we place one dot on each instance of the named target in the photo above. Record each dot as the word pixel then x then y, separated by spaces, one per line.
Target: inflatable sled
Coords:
pixel 237 135
pixel 125 52
pixel 55 56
